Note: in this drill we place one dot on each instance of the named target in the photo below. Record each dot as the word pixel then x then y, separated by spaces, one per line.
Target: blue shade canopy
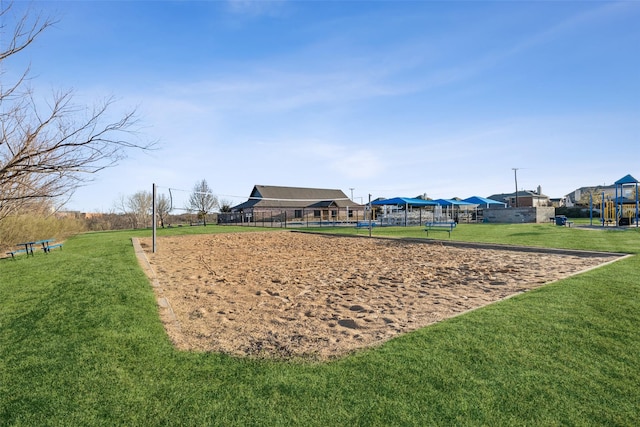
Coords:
pixel 404 201
pixel 628 179
pixel 477 200
pixel 451 202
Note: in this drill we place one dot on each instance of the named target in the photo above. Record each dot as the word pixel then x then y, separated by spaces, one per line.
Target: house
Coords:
pixel 284 204
pixel 581 195
pixel 523 199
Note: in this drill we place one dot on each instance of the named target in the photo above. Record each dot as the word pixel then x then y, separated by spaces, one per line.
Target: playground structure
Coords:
pixel 618 210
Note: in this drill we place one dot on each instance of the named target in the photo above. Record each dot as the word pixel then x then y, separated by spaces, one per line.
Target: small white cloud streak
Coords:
pixel 284 86
pixel 255 8
pixel 273 91
pixel 348 162
pixel 589 18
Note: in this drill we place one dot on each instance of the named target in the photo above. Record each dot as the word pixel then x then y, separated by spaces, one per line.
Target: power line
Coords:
pixel 254 198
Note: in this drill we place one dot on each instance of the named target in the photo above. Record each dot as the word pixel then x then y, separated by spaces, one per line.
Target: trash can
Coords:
pixel 561 220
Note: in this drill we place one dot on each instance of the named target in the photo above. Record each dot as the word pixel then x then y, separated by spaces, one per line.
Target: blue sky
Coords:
pixel 390 98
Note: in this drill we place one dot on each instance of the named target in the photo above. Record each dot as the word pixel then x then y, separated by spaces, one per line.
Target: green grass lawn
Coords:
pixel 81 344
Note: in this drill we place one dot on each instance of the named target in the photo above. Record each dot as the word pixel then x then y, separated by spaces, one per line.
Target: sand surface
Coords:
pixel 285 294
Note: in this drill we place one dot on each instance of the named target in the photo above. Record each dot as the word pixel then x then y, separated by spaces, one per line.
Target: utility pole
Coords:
pixel 352 193
pixel 515 174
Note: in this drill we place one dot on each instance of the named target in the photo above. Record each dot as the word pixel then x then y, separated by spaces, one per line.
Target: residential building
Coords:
pixel 285 204
pixel 521 199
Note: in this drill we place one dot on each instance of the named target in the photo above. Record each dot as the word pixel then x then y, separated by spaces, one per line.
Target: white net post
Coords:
pixel 153 218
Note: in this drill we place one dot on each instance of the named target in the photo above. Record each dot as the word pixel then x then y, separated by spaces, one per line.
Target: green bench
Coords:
pixel 48 247
pixel 440 226
pixel 18 251
pixel 366 224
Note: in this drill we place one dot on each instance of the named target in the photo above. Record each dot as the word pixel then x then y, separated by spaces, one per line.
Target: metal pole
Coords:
pixel 153 218
pixel 515 174
pixel 616 205
pixel 406 213
pixel 370 216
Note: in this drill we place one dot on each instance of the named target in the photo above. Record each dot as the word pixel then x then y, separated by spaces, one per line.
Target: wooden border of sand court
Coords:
pixel 163 302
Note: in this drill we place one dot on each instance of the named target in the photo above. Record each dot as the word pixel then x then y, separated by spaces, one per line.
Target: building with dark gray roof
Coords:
pixel 276 203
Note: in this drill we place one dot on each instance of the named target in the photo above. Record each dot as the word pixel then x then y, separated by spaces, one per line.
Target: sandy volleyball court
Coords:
pixel 286 294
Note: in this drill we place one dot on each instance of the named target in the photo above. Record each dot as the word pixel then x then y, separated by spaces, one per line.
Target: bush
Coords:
pixel 576 212
pixel 28 227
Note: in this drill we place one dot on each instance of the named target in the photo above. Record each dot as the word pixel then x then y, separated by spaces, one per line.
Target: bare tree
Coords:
pixel 140 205
pixel 121 207
pixel 46 153
pixel 163 208
pixel 225 205
pixel 587 196
pixel 202 201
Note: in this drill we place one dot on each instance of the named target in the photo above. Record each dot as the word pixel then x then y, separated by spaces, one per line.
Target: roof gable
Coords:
pixel 521 193
pixel 298 193
pixel 271 196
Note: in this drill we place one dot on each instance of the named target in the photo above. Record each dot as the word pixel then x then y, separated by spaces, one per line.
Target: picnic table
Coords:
pixel 28 247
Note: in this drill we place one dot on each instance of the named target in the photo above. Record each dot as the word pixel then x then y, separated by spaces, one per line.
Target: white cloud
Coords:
pixel 256 8
pixel 349 163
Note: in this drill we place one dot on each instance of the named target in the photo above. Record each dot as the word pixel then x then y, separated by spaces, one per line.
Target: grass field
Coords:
pixel 81 344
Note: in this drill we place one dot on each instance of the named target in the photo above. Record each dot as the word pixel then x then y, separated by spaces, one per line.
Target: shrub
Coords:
pixel 36 226
pixel 576 212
